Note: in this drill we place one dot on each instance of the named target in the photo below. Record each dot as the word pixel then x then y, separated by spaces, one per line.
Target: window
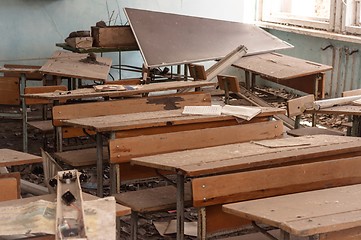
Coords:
pixel 339 16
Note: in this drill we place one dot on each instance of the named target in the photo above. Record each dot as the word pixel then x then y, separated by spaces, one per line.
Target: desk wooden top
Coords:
pixel 251 155
pixel 120 209
pixel 151 119
pixel 307 213
pixel 68 64
pixel 338 110
pixel 9 157
pixel 96 49
pixel 18 70
pixel 279 66
pixel 90 92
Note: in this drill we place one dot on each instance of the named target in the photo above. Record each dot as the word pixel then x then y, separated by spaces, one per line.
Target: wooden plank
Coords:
pixel 33 75
pixel 132 81
pixel 279 66
pixel 42 89
pixel 154 87
pixel 123 149
pixel 307 213
pixel 43 126
pixel 95 109
pixel 271 182
pixel 350 93
pixel 313 131
pixel 339 110
pixel 81 157
pixel 250 155
pixel 68 64
pixel 9 91
pixel 298 106
pixel 157 199
pixel 10 186
pixel 10 158
pixel 347 234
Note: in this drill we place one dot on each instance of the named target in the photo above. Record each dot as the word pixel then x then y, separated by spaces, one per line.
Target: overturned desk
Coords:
pixel 303 75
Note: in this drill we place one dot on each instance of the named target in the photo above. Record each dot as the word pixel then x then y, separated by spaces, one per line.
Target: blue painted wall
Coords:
pixel 345 57
pixel 30 28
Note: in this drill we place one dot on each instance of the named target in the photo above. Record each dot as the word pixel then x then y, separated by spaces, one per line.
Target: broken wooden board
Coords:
pixel 74 65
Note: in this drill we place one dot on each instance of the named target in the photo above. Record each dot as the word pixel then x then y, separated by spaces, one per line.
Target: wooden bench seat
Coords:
pixel 45 126
pixel 313 131
pixel 153 199
pixel 81 157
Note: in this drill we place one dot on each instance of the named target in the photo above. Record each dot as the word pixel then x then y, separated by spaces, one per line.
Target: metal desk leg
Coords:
pixel 24 112
pixel 180 206
pixel 114 174
pixel 99 139
pixel 355 130
pixel 285 235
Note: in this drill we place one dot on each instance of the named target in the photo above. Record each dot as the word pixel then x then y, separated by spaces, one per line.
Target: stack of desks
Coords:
pixel 150 123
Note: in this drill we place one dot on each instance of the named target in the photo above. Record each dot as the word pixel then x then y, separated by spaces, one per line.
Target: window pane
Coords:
pixel 299 8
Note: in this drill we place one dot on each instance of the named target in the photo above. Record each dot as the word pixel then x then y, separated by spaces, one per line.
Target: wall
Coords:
pixel 30 28
pixel 343 56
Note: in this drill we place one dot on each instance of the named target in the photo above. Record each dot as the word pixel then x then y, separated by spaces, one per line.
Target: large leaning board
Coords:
pixel 172 39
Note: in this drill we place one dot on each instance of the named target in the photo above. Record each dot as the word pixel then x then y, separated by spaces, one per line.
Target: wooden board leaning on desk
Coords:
pixel 90 93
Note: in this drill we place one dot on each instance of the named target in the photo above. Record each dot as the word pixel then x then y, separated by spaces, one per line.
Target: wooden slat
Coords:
pixel 347 234
pixel 271 182
pixel 297 106
pixel 157 199
pixel 73 111
pixel 9 186
pixel 9 91
pixel 350 93
pixel 307 213
pixel 81 157
pixel 132 81
pixel 43 126
pixel 10 158
pixel 29 75
pixel 147 88
pixel 41 89
pixel 123 149
pixel 313 131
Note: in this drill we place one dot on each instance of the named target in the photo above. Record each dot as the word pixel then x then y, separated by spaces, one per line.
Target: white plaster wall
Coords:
pixel 29 29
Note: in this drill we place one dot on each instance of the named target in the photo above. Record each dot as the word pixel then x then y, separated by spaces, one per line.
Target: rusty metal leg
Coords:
pixel 113 173
pixel 248 80
pixel 99 139
pixel 24 112
pixel 180 206
pixel 285 235
pixel 134 225
pixel 202 234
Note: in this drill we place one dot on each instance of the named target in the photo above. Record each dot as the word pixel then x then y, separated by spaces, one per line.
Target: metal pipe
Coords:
pixel 320 104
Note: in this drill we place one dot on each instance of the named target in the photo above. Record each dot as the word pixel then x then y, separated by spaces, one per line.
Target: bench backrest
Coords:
pixel 96 109
pixel 29 76
pixel 121 150
pixel 41 89
pixel 262 183
pixel 9 91
pixel 297 106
